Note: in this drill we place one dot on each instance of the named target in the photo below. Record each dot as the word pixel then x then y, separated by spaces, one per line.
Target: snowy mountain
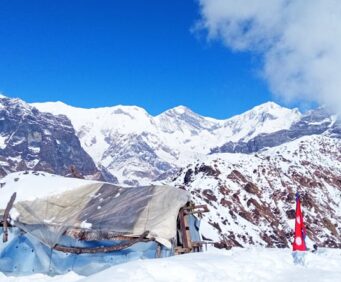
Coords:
pixel 138 148
pixel 246 168
pixel 30 139
pixel 251 197
pixel 317 121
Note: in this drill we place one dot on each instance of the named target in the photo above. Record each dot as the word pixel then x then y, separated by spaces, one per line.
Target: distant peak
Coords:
pixel 52 104
pixel 272 107
pixel 128 109
pixel 179 110
pixel 14 101
pixel 268 105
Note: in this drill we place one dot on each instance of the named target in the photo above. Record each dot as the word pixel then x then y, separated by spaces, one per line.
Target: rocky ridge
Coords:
pixel 252 197
pixel 139 148
pixel 317 121
pixel 32 140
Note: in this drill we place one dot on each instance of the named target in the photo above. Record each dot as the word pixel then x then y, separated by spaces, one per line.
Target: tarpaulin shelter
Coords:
pixel 98 218
pixel 103 210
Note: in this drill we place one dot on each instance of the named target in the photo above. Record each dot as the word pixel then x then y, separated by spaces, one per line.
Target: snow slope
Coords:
pixel 236 265
pixel 70 277
pixel 255 264
pixel 137 147
pixel 251 197
pixel 30 185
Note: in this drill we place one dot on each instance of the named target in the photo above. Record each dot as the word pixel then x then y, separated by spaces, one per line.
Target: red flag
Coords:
pixel 299 243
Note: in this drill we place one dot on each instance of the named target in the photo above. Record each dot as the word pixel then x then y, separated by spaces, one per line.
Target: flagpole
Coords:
pixel 299 246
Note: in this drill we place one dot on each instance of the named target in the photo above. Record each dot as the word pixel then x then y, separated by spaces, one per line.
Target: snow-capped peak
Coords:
pixel 17 103
pixel 267 106
pixel 180 110
pixel 268 110
pixel 173 136
pixel 265 118
pixel 59 107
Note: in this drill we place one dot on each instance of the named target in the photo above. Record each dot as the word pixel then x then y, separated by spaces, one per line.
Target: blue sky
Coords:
pixel 132 52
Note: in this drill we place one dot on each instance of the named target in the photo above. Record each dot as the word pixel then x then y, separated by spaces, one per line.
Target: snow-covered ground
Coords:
pixel 251 264
pixel 31 185
pixel 70 277
pixel 248 264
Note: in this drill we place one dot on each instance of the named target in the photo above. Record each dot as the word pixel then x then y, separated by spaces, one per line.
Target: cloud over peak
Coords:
pixel 299 41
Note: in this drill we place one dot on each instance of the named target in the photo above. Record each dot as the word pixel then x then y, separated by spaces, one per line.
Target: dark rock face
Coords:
pixel 188 176
pixel 107 176
pixel 314 122
pixel 34 140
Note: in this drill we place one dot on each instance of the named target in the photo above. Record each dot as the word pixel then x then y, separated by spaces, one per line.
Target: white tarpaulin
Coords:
pixel 102 208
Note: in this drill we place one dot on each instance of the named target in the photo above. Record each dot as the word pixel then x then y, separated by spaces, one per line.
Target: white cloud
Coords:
pixel 299 40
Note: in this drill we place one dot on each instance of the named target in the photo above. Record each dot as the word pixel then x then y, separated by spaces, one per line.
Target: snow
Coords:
pixel 29 186
pixel 173 128
pixel 234 265
pixel 17 142
pixel 250 264
pixel 14 214
pixel 3 143
pixel 35 150
pixel 32 164
pixel 320 153
pixel 70 277
pixel 266 118
pixel 85 224
pixel 176 136
pixel 180 109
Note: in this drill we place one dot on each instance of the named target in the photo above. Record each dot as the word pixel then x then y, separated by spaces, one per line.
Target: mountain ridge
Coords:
pixel 250 193
pixel 251 197
pixel 175 136
pixel 33 140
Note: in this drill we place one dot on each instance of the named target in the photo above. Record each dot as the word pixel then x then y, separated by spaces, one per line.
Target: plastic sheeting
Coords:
pixel 23 254
pixel 103 208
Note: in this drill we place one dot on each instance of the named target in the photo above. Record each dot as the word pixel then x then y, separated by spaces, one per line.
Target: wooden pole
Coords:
pixel 77 250
pixel 6 216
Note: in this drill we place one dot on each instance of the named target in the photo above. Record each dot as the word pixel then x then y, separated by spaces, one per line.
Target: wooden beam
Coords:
pixel 6 216
pixel 77 250
pixel 96 235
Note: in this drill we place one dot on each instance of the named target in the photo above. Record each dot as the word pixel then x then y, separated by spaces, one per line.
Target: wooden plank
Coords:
pixel 76 250
pixel 95 235
pixel 6 216
pixel 183 229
